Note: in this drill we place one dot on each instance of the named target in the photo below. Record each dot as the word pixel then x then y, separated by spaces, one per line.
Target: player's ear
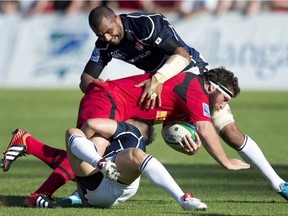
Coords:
pixel 118 19
pixel 211 88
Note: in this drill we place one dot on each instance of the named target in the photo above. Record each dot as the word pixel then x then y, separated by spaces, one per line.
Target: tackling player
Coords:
pixel 128 146
pixel 146 40
pixel 123 161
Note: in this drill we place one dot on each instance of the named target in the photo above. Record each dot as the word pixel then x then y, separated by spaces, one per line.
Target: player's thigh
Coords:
pixel 79 167
pixel 128 162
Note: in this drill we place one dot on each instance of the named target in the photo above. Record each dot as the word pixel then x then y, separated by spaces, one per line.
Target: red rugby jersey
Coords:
pixel 183 98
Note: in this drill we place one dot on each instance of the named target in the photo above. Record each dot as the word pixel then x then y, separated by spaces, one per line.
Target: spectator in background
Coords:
pixel 46 6
pixel 253 7
pixel 149 6
pixel 39 7
pixel 9 7
pixel 166 7
pixel 138 5
pixel 224 6
pixel 188 8
pixel 279 6
pixel 248 7
pixel 89 5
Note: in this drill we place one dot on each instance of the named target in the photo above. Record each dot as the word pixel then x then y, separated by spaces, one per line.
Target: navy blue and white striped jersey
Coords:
pixel 125 136
pixel 145 37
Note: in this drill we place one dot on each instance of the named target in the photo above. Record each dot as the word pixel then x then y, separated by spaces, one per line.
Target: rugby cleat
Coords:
pixel 72 199
pixel 15 149
pixel 40 201
pixel 284 190
pixel 191 203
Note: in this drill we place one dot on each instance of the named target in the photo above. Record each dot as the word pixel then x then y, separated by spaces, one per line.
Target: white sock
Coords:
pixel 84 149
pixel 157 174
pixel 252 154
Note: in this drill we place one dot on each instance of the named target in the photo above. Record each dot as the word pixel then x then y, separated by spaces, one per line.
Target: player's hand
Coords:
pixel 189 145
pixel 109 169
pixel 236 164
pixel 100 80
pixel 151 92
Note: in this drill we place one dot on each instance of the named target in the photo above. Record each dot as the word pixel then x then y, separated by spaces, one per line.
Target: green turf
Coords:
pixel 46 114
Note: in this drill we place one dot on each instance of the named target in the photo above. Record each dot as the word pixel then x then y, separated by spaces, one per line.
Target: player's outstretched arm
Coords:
pixel 212 144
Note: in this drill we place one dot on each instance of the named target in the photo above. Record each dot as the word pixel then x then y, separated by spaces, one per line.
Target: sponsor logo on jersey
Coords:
pixel 206 110
pixel 158 40
pixel 160 117
pixel 95 58
pixel 139 57
pixel 138 46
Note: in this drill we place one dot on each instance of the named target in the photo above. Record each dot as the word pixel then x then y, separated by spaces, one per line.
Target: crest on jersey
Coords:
pixel 117 54
pixel 158 40
pixel 138 46
pixel 206 110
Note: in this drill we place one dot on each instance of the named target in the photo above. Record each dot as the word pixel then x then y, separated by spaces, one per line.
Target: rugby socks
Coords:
pixel 61 175
pixel 84 149
pixel 54 158
pixel 157 174
pixel 252 154
pixel 49 155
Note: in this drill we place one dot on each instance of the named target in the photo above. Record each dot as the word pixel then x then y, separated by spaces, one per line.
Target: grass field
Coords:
pixel 46 114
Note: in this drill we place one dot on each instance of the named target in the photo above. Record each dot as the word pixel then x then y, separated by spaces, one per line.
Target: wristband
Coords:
pixel 160 77
pixel 175 64
pixel 100 163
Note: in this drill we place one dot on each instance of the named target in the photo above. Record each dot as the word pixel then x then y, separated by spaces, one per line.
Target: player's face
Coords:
pixel 110 30
pixel 217 100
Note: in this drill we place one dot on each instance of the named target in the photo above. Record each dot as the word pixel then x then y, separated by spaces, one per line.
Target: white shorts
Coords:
pixel 222 117
pixel 110 193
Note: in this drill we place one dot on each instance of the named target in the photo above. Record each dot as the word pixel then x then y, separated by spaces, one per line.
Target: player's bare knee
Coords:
pixel 89 124
pixel 136 156
pixel 69 132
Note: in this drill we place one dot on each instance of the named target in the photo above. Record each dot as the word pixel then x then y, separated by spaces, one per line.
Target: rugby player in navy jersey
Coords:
pixel 105 181
pixel 124 155
pixel 147 41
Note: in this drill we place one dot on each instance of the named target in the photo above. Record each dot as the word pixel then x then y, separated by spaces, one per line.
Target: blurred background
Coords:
pixel 46 44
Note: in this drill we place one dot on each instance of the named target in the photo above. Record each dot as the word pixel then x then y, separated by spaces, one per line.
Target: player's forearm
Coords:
pixel 212 143
pixel 91 72
pixel 102 126
pixel 86 79
pixel 175 64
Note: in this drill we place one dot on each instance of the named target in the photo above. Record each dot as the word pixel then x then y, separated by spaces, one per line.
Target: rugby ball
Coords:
pixel 173 133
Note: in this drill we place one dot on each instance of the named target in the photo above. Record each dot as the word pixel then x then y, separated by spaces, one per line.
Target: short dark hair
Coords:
pixel 97 14
pixel 222 76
